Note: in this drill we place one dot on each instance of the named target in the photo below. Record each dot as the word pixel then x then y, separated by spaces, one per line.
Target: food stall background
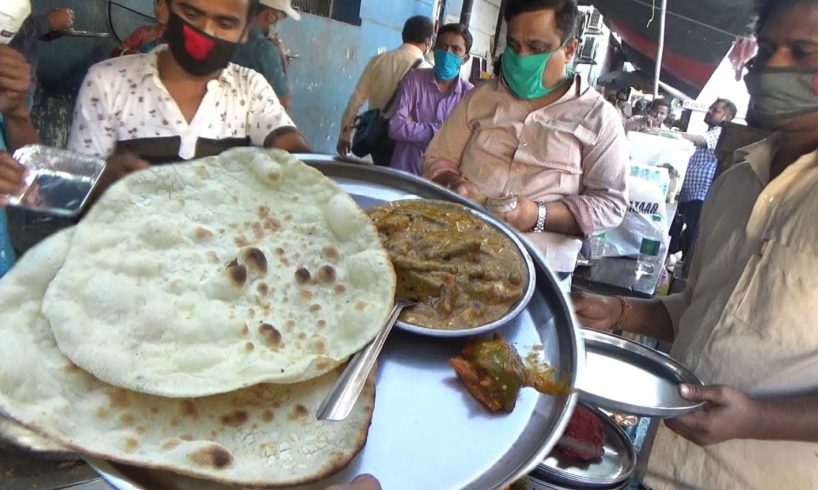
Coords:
pixel 333 44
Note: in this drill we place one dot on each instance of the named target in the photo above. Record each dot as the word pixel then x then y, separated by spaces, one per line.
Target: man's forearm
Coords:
pixel 290 141
pixel 647 317
pixel 559 219
pixel 787 419
pixel 696 139
pixel 19 129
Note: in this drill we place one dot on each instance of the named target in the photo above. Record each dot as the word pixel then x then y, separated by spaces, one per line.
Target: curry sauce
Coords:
pixel 464 272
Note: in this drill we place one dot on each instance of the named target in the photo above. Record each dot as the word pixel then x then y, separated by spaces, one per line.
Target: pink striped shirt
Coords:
pixel 573 151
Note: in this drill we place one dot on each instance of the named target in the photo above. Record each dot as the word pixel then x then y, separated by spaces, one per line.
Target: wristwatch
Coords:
pixel 541 212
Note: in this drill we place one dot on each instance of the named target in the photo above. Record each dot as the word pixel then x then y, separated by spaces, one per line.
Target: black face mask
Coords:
pixel 197 52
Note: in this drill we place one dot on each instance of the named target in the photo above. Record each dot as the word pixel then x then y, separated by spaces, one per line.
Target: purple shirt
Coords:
pixel 421 110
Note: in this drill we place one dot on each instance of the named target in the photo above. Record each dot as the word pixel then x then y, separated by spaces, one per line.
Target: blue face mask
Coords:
pixel 447 65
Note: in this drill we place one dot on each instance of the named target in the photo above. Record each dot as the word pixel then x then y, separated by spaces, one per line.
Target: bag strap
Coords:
pixel 395 93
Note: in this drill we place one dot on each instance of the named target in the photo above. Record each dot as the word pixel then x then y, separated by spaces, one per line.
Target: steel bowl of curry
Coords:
pixel 469 273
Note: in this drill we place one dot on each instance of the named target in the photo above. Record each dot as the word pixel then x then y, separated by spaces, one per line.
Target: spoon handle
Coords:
pixel 341 398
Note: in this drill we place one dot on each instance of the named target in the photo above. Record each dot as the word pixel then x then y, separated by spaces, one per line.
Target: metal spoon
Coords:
pixel 340 399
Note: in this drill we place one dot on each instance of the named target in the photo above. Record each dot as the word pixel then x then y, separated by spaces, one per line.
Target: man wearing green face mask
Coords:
pixel 747 318
pixel 541 134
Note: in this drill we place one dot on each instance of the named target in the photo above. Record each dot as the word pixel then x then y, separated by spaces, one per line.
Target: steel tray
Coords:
pixel 427 432
pixel 628 377
pixel 58 182
pixel 615 468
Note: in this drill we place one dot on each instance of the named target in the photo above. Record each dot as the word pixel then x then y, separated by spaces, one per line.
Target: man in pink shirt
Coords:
pixel 541 134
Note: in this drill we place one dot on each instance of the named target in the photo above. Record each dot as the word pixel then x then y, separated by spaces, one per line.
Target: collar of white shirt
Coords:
pixel 151 68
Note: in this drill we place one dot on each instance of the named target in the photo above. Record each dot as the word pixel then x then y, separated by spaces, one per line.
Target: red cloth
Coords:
pixel 138 38
pixel 743 50
pixel 586 428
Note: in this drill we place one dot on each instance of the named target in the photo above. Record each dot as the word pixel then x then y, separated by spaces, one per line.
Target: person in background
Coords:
pixel 16 130
pixel 747 318
pixel 427 97
pixel 261 54
pixel 146 38
pixel 180 101
pixel 658 111
pixel 623 105
pixel 540 133
pixel 700 172
pixel 28 38
pixel 379 80
pixel 640 107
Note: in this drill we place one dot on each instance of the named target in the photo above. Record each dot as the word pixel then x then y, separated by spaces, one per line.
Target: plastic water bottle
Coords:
pixel 649 262
pixel 598 246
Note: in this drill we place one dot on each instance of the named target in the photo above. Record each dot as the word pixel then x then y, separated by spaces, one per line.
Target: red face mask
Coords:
pixel 197 52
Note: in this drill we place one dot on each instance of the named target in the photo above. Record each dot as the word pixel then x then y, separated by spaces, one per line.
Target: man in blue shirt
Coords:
pixel 260 53
pixel 16 130
pixel 701 169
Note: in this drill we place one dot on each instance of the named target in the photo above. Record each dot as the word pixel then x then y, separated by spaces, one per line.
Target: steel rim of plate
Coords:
pixel 516 309
pixel 573 349
pixel 564 477
pixel 595 341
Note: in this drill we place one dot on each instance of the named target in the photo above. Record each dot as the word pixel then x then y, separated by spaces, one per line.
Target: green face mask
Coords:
pixel 523 74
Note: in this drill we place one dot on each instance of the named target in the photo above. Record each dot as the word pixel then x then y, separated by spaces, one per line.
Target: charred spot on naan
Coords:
pixel 263 289
pixel 118 398
pixel 188 409
pixel 254 259
pixel 212 456
pixel 320 346
pixel 327 274
pixel 202 234
pixel 298 411
pixel 249 346
pixel 236 418
pixel 270 336
pixel 315 307
pixel 131 445
pixel 267 416
pixel 237 274
pixel 302 275
pixel 330 252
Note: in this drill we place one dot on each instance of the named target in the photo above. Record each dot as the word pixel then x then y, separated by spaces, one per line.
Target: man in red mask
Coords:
pixel 181 101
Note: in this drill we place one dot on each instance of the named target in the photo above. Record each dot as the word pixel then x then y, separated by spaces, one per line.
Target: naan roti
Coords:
pixel 202 278
pixel 265 435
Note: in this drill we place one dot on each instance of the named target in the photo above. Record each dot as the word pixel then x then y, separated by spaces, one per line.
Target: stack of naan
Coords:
pixel 195 319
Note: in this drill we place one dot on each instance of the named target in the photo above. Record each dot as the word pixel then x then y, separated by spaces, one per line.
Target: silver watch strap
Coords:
pixel 541 212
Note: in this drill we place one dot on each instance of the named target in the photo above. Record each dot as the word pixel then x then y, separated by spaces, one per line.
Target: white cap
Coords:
pixel 285 6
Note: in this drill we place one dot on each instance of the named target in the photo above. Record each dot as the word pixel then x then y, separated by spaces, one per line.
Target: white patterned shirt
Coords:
pixel 123 105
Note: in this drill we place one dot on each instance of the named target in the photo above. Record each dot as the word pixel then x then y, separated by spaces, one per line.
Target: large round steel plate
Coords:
pixel 427 432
